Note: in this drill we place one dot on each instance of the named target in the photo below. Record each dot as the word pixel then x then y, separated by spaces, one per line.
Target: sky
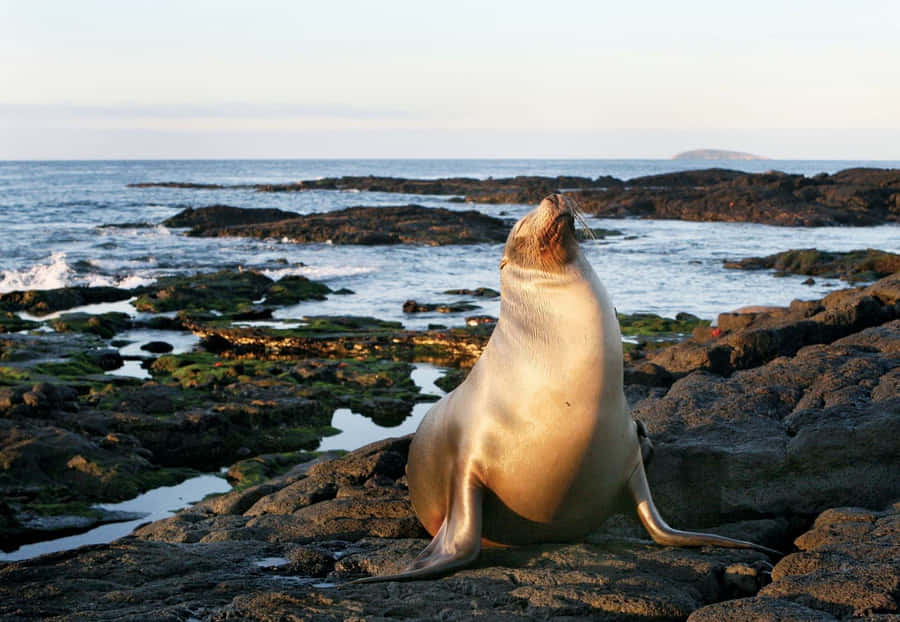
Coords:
pixel 339 78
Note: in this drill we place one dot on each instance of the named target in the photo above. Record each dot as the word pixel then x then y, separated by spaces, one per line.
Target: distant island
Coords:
pixel 716 154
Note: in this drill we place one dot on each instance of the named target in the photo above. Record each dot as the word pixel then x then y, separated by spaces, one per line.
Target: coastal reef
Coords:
pixel 407 224
pixel 776 425
pixel 858 196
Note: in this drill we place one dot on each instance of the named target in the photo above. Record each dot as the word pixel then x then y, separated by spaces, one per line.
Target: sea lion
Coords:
pixel 537 444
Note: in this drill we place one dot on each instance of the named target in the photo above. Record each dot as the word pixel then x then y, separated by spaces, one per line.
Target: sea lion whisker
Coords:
pixel 575 208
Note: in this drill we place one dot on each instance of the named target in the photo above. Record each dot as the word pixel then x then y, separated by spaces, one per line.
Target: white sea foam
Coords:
pixel 56 273
pixel 59 273
pixel 318 272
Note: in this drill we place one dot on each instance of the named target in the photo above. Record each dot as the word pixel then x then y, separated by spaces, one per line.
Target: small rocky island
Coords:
pixel 716 154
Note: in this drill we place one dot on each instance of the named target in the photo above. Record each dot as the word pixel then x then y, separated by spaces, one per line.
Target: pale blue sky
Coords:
pixel 450 79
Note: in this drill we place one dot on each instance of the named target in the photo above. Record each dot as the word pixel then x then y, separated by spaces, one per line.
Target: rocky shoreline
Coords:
pixel 770 426
pixel 859 196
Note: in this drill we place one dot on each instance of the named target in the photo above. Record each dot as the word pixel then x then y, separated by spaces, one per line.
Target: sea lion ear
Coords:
pixel 503 262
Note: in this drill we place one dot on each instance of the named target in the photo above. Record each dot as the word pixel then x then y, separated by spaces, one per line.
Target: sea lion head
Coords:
pixel 544 239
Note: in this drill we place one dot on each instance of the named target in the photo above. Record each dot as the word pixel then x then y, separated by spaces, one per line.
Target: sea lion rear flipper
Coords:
pixel 456 543
pixel 663 534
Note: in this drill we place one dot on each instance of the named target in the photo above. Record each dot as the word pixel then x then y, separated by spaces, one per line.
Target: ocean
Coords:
pixel 52 215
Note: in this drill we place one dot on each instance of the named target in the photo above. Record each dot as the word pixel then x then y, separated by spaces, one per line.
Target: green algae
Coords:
pixel 105 325
pixel 252 471
pixel 12 323
pixel 226 291
pixel 13 375
pixel 652 325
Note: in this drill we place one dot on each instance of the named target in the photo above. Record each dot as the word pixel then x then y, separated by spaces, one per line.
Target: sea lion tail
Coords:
pixel 663 534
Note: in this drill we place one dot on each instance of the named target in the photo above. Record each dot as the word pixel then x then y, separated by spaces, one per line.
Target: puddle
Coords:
pixel 122 306
pixel 181 342
pixel 283 324
pixel 272 562
pixel 357 430
pixel 153 505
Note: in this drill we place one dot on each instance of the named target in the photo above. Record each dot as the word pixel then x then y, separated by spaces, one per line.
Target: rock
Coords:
pixel 480 320
pixel 44 301
pixel 859 265
pixel 349 337
pixel 848 565
pixel 411 306
pixel 480 292
pixel 857 196
pixel 851 197
pixel 408 224
pixel 790 438
pixel 106 359
pixel 157 347
pixel 746 340
pixel 205 219
pixel 10 322
pixel 227 291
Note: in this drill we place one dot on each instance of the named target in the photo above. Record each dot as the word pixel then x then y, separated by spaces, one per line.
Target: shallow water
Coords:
pixel 358 430
pixel 154 504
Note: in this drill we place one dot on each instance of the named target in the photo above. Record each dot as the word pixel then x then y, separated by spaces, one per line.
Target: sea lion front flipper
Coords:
pixel 663 534
pixel 456 543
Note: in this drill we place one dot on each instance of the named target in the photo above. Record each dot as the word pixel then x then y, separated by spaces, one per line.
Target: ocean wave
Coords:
pixel 55 274
pixel 318 272
pixel 58 272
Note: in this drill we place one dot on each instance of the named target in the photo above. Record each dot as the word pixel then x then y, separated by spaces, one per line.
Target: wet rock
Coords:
pixel 858 265
pixel 480 292
pixel 411 306
pixel 480 320
pixel 157 347
pixel 104 325
pixel 746 340
pixel 859 196
pixel 226 291
pixel 850 197
pixel 451 379
pixel 106 359
pixel 408 224
pixel 350 337
pixel 204 219
pixel 12 323
pixel 44 301
pixel 848 566
pixel 790 438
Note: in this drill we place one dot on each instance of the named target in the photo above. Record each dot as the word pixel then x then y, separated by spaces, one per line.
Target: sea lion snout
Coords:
pixel 555 202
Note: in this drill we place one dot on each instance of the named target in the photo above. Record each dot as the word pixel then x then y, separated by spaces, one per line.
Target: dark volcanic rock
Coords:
pixel 227 291
pixel 790 438
pixel 157 347
pixel 202 220
pixel 745 340
pixel 44 301
pixel 409 224
pixel 848 566
pixel 479 292
pixel 851 197
pixel 860 265
pixel 350 337
pixel 411 306
pixel 261 554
